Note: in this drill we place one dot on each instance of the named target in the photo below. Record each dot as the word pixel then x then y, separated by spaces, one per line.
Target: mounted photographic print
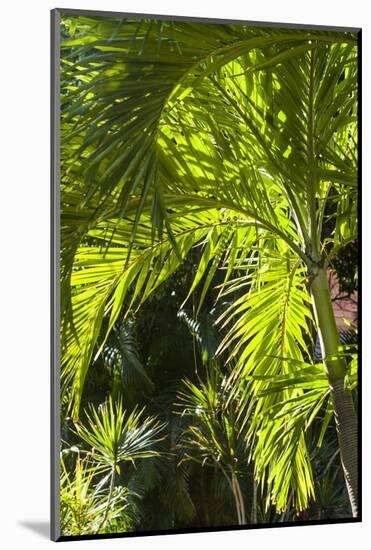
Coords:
pixel 205 277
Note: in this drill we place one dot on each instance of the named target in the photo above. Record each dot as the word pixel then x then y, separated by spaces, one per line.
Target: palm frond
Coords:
pixel 116 436
pixel 265 327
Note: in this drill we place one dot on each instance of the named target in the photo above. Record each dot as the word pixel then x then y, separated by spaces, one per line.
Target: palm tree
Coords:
pixel 177 134
pixel 116 437
pixel 212 436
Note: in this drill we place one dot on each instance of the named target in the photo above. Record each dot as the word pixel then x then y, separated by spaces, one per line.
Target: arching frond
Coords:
pixel 267 335
pixel 105 280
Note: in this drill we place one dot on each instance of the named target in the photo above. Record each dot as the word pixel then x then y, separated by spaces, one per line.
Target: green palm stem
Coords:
pixel 112 485
pixel 236 499
pixel 236 492
pixel 345 415
pixel 238 495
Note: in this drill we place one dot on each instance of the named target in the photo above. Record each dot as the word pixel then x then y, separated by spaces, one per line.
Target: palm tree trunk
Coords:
pixel 345 415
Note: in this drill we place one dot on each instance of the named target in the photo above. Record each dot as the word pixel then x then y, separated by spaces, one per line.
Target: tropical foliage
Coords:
pixel 209 182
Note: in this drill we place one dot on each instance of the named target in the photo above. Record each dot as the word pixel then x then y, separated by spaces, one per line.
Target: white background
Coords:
pixel 24 270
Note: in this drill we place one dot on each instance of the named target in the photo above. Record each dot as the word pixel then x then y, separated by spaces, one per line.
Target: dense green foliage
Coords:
pixel 209 180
